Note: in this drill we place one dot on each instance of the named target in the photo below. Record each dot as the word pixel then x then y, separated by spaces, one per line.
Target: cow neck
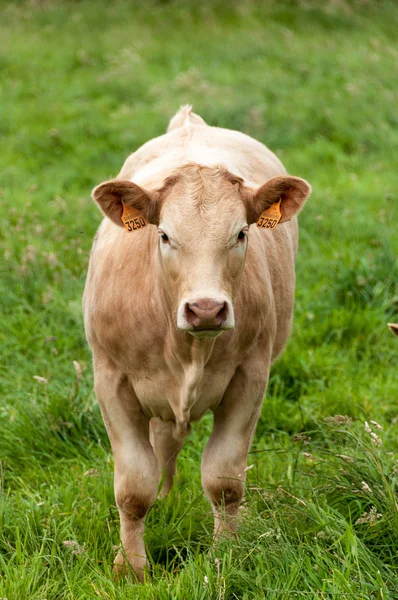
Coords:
pixel 191 355
pixel 189 358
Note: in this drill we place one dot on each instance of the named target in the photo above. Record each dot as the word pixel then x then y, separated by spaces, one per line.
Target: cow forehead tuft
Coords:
pixel 202 194
pixel 202 176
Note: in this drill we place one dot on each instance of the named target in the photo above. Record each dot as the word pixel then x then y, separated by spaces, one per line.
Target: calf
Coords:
pixel 187 304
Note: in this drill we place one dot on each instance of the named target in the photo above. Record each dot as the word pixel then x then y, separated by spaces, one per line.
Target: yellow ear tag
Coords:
pixel 271 217
pixel 132 218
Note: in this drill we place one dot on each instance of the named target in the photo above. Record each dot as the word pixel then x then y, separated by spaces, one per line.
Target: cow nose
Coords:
pixel 206 313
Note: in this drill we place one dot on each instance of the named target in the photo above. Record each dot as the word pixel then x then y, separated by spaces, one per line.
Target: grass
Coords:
pixel 84 84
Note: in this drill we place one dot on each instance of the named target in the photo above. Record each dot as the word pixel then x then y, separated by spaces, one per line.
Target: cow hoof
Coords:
pixel 122 568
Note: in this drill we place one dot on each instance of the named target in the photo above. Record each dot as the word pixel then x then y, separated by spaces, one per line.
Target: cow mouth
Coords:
pixel 210 332
pixel 205 333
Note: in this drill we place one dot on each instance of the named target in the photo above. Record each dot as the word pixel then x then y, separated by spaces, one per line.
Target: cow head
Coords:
pixel 203 216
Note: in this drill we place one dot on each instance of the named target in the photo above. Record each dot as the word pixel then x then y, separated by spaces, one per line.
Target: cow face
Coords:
pixel 203 236
pixel 203 216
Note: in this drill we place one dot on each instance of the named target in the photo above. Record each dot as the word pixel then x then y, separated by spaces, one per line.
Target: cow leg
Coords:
pixel 225 455
pixel 136 474
pixel 166 447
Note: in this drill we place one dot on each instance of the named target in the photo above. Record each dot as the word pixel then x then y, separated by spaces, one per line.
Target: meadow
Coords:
pixel 83 84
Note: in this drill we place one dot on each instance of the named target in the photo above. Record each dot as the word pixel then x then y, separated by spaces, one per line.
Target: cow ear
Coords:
pixel 110 195
pixel 292 191
pixel 393 327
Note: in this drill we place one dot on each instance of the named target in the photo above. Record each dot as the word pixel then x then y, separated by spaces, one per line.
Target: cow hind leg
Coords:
pixel 166 446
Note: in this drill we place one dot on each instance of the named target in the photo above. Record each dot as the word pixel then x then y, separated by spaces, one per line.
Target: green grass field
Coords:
pixel 82 85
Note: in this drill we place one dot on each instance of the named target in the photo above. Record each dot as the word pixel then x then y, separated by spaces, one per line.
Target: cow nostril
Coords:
pixel 222 313
pixel 191 315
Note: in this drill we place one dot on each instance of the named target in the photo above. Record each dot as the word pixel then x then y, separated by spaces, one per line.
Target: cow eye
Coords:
pixel 241 235
pixel 165 237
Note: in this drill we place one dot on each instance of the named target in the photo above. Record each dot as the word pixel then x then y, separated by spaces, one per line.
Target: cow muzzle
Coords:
pixel 205 317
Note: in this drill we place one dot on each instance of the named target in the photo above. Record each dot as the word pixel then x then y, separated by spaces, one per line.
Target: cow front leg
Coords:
pixel 136 475
pixel 225 456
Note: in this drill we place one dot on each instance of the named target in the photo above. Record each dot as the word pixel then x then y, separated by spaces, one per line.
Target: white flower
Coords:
pixel 78 370
pixel 40 379
pixel 375 439
pixel 308 456
pixel 345 457
pixel 75 546
pixel 371 517
pixel 366 488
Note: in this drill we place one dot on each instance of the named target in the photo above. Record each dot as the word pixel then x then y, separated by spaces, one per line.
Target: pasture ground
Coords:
pixel 82 85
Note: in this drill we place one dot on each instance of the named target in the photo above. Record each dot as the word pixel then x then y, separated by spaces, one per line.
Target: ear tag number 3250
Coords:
pixel 132 218
pixel 270 217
